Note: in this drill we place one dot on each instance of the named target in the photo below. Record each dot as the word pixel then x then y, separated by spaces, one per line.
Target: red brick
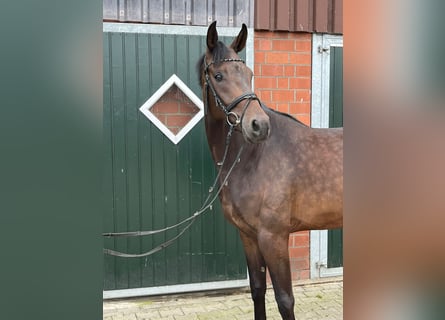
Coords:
pixel 175 130
pixel 264 44
pixel 299 108
pixel 283 83
pixel 289 71
pixel 277 57
pixel 188 108
pixel 299 264
pixel 300 58
pixel 161 118
pixel 265 83
pixel 272 70
pixel 304 46
pixel 298 252
pixel 303 96
pixel 300 238
pixel 283 45
pixel 283 35
pixel 304 274
pixel 265 95
pixel 303 71
pixel 300 83
pixel 260 57
pixel 273 106
pixel 305 118
pixel 282 107
pixel 291 241
pixel 283 95
pixel 301 36
pixel 177 120
pixel 165 107
pixel 264 34
pixel 257 69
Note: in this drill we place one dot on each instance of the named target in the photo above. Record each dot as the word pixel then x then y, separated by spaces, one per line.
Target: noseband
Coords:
pixel 232 118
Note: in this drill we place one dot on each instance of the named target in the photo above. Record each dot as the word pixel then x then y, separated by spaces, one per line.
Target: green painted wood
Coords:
pixel 109 265
pixel 335 237
pixel 149 182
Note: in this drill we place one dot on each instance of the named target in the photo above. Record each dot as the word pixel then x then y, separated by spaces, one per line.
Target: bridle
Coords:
pixel 214 191
pixel 232 118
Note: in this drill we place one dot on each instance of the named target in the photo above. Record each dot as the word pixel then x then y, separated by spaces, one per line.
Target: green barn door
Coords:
pixel 150 182
pixel 335 237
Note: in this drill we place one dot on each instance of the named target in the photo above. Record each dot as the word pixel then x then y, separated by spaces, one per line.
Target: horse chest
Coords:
pixel 241 208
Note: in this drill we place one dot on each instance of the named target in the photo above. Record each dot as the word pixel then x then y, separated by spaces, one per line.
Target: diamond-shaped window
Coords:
pixel 174 109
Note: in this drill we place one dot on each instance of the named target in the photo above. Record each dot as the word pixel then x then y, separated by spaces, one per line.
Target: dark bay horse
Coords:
pixel 288 178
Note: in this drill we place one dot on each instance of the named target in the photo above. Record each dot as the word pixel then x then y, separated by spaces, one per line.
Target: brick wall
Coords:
pixel 174 109
pixel 283 82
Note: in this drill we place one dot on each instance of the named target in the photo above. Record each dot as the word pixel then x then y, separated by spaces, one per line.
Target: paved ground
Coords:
pixel 313 300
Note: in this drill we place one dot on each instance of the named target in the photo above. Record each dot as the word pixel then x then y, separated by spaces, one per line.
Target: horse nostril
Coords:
pixel 255 126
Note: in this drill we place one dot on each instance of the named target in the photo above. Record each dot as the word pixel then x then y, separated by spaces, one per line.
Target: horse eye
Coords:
pixel 219 76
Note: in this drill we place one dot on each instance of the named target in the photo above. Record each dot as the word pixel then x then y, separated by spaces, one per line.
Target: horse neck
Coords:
pixel 216 131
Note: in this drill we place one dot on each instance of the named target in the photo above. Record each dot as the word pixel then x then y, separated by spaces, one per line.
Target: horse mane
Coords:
pixel 286 115
pixel 220 52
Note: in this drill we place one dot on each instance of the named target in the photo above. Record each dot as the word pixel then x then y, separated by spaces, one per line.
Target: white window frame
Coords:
pixel 145 109
pixel 321 44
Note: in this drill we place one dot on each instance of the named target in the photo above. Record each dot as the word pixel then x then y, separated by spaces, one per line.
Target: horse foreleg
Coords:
pixel 257 275
pixel 274 249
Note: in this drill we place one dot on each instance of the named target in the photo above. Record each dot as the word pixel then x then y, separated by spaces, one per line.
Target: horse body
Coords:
pixel 300 182
pixel 288 178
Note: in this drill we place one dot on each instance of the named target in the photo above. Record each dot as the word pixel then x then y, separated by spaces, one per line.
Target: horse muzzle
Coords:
pixel 256 129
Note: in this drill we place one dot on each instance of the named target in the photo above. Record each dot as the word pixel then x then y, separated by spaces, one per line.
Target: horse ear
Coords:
pixel 239 42
pixel 212 36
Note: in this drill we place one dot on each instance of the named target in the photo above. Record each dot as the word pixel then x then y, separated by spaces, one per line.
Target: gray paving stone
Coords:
pixel 320 300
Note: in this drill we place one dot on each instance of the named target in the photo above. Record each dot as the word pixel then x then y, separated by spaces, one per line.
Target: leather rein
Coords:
pixel 233 120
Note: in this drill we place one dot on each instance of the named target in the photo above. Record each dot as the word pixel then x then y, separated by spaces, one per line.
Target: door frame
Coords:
pixel 321 43
pixel 178 30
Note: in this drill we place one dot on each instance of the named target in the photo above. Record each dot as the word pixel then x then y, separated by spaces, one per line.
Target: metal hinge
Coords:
pixel 320 265
pixel 322 50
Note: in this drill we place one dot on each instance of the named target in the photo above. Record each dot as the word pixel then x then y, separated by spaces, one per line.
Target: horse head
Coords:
pixel 227 87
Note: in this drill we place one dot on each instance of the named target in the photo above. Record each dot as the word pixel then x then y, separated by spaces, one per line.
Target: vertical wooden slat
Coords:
pixel 109 262
pixel 178 11
pixel 335 237
pixel 110 10
pixel 336 87
pixel 131 150
pixel 145 11
pixel 156 11
pixel 283 12
pixel 134 10
pixel 244 13
pixel 337 16
pixel 221 12
pixel 299 15
pixel 170 171
pixel 184 270
pixel 118 151
pixel 199 12
pixel 158 159
pixel 121 10
pixel 262 14
pixel 145 156
pixel 321 16
pixel 302 20
pixel 183 65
